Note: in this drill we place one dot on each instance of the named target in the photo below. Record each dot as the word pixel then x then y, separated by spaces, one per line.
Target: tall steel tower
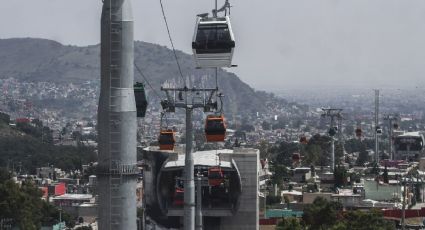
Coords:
pixel 391 118
pixel 117 126
pixel 376 125
pixel 333 113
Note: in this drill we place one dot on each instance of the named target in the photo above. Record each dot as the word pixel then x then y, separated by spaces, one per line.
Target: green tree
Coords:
pixel 290 223
pixel 32 153
pixel 375 169
pixel 366 220
pixel 363 156
pixel 340 176
pixel 385 175
pixel 282 153
pixel 321 214
pixel 280 173
pixel 23 204
pixel 311 154
pixel 339 151
pixel 271 200
pixel 264 148
pixel 317 151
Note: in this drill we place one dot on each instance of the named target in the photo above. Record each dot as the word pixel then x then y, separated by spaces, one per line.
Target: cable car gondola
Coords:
pixel 166 140
pixel 395 126
pixel 215 128
pixel 296 157
pixel 359 132
pixel 213 42
pixel 378 130
pixel 332 131
pixel 215 176
pixel 303 140
pixel 141 99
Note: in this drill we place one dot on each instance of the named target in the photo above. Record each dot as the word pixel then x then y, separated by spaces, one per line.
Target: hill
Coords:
pixel 40 60
pixel 30 146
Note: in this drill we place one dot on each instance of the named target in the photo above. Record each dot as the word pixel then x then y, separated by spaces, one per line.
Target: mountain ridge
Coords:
pixel 34 59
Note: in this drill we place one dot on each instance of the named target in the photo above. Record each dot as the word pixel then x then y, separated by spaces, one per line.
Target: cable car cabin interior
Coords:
pixel 141 99
pixel 220 188
pixel 215 176
pixel 166 140
pixel 213 42
pixel 215 128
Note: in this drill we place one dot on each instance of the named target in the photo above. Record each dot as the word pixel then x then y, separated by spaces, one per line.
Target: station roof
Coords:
pixel 202 158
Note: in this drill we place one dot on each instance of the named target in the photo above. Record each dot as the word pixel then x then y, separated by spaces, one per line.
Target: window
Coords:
pixel 213 38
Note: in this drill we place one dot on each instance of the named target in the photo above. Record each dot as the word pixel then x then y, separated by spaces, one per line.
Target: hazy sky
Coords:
pixel 280 43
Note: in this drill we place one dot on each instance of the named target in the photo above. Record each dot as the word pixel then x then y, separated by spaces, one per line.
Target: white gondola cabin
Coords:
pixel 213 42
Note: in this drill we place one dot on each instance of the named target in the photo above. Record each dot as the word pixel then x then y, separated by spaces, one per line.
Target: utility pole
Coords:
pixel 403 210
pixel 208 105
pixel 390 118
pixel 376 125
pixel 332 113
pixel 339 125
pixel 199 224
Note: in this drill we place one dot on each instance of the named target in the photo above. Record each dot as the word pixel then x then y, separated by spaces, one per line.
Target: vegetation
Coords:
pixel 322 214
pixel 31 153
pixel 317 151
pixel 32 147
pixel 280 173
pixel 340 175
pixel 271 200
pixel 281 153
pixel 328 215
pixel 22 204
pixel 360 146
pixel 78 65
pixel 290 223
pixel 361 220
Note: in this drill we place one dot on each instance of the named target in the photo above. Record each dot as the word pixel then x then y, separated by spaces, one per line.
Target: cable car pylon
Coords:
pixel 333 114
pixel 175 99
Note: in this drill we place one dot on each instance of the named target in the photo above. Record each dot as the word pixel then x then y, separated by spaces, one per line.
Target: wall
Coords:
pixel 247 216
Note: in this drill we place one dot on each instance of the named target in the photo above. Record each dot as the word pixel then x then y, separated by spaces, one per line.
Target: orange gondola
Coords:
pixel 303 140
pixel 215 176
pixel 296 157
pixel 359 132
pixel 215 128
pixel 166 139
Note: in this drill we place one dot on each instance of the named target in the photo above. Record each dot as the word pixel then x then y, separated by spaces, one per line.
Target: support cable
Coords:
pixel 172 43
pixel 146 80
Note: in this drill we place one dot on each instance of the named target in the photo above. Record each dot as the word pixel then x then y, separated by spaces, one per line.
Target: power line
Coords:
pixel 172 43
pixel 146 80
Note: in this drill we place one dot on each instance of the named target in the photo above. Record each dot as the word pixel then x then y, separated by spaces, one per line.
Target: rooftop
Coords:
pixel 73 197
pixel 203 158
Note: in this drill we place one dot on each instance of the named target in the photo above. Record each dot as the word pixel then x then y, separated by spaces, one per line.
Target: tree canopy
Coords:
pixel 22 204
